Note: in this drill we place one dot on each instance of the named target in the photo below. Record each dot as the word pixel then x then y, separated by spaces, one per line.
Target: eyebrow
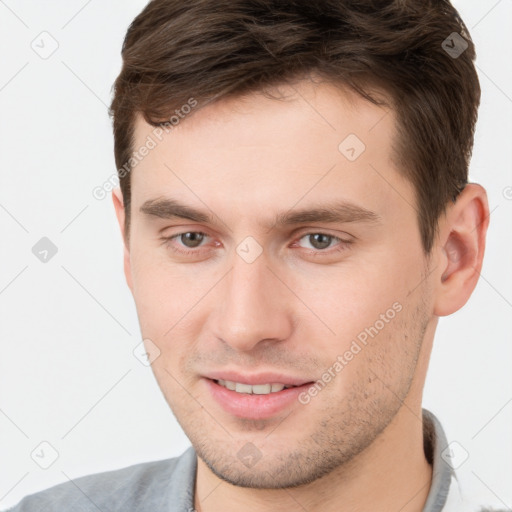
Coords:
pixel 333 212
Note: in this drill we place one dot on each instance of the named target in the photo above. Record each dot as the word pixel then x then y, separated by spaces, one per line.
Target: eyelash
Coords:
pixel 343 246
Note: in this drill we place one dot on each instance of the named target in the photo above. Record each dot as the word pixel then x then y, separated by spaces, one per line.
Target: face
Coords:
pixel 275 243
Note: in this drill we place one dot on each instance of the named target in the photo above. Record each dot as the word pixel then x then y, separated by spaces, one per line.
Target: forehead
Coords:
pixel 321 107
pixel 319 141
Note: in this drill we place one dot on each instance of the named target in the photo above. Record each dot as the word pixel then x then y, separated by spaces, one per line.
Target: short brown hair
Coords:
pixel 175 50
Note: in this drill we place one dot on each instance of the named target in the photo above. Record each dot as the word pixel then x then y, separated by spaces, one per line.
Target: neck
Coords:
pixel 391 474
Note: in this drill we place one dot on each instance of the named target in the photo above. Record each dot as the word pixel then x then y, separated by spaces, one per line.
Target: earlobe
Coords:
pixel 117 199
pixel 461 249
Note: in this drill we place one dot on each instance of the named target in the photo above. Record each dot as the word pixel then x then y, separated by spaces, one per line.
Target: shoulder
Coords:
pixel 143 486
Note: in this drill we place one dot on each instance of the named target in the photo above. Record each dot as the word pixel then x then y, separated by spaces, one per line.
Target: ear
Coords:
pixel 460 249
pixel 117 199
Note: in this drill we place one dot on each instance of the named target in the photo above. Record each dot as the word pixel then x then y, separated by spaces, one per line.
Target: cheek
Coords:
pixel 352 298
pixel 171 302
pixel 377 362
pixel 154 293
pixel 155 280
pixel 360 306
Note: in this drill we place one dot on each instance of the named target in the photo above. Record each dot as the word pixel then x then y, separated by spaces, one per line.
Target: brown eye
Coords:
pixel 319 243
pixel 186 243
pixel 320 240
pixel 191 239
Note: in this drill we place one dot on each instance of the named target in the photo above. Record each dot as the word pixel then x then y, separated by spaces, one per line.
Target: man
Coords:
pixel 296 217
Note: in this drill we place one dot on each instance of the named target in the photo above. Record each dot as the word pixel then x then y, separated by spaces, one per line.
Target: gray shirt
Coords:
pixel 168 485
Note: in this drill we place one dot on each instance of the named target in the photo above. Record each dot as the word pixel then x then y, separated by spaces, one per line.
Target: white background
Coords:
pixel 68 327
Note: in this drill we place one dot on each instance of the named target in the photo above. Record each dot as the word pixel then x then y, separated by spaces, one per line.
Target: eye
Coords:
pixel 189 239
pixel 321 241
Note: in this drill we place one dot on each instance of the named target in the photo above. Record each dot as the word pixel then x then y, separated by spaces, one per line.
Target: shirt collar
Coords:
pixel 434 445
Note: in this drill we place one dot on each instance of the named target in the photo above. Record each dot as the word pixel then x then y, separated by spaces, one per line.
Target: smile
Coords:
pixel 257 389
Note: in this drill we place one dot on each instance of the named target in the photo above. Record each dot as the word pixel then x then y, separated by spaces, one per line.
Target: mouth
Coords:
pixel 256 389
pixel 255 401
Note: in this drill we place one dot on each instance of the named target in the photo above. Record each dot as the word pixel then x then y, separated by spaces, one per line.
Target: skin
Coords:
pixel 358 444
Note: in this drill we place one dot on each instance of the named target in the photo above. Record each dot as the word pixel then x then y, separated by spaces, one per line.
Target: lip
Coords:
pixel 254 406
pixel 259 378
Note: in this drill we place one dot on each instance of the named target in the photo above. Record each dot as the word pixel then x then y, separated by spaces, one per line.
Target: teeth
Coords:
pixel 262 389
pixel 257 389
pixel 243 388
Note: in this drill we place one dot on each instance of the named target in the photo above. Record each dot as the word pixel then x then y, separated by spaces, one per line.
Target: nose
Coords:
pixel 255 306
